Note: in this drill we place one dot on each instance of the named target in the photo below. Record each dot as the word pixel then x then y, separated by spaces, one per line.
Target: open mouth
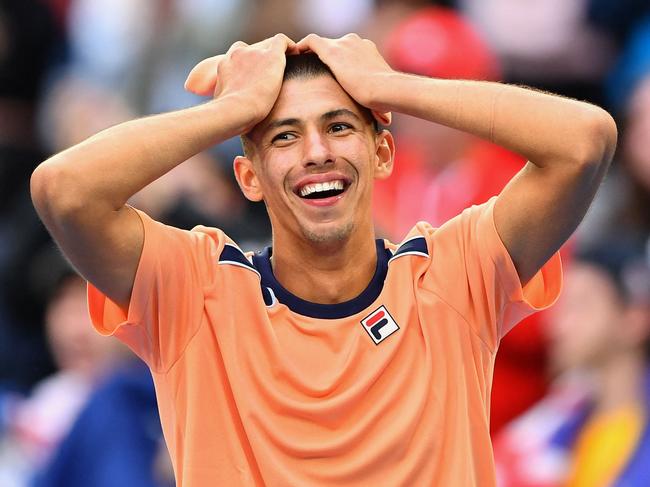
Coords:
pixel 328 189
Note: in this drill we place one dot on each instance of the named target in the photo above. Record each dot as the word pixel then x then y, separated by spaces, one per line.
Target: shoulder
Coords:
pixel 424 238
pixel 443 254
pixel 166 240
pixel 155 228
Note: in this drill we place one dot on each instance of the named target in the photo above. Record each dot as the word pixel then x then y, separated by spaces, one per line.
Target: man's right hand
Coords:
pixel 250 73
pixel 81 193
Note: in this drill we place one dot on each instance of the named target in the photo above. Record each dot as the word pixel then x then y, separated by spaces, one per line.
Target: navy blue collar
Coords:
pixel 262 262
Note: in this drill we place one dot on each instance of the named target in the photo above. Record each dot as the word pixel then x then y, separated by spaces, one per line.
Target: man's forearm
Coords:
pixel 111 166
pixel 544 128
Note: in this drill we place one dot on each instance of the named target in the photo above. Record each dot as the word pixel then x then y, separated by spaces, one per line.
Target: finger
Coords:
pixel 236 45
pixel 293 49
pixel 290 46
pixel 283 40
pixel 203 77
pixel 276 41
pixel 310 43
pixel 202 80
pixel 284 44
pixel 352 35
pixel 383 118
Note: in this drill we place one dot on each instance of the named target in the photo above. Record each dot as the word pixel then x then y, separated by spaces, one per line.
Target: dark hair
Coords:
pixel 626 263
pixel 306 66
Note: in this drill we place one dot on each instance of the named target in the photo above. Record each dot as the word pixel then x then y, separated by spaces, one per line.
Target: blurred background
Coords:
pixel 571 395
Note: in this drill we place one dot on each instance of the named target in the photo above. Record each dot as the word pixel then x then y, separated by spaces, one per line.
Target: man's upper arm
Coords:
pixel 105 252
pixel 473 273
pixel 176 269
pixel 117 246
pixel 542 205
pixel 102 242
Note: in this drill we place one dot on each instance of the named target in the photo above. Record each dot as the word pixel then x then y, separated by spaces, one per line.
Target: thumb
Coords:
pixel 312 42
pixel 203 77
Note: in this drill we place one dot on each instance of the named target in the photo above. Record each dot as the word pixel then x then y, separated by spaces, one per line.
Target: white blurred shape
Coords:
pixel 334 18
pixel 109 36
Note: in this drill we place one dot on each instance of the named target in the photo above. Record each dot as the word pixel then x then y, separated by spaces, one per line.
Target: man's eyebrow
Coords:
pixel 337 113
pixel 283 122
pixel 292 122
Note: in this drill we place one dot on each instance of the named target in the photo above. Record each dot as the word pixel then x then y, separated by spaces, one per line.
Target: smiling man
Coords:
pixel 332 358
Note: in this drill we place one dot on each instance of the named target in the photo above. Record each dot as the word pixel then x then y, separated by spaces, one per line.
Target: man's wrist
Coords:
pixel 234 114
pixel 382 92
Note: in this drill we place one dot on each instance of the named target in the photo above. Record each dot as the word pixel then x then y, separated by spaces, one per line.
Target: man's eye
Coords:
pixel 284 136
pixel 339 127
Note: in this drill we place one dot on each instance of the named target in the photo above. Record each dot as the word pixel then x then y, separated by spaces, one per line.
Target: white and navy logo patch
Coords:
pixel 413 246
pixel 379 325
pixel 232 255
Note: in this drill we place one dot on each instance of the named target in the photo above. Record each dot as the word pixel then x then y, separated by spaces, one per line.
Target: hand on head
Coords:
pixel 251 73
pixel 357 65
pixel 255 71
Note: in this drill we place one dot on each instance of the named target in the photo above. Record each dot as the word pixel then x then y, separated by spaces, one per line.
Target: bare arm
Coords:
pixel 80 193
pixel 569 143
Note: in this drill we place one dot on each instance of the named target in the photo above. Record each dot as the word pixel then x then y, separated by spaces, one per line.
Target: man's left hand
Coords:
pixel 357 65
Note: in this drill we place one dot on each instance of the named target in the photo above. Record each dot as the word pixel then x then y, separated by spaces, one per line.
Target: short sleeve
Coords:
pixel 472 271
pixel 166 306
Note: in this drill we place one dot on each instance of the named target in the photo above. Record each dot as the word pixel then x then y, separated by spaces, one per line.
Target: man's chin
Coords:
pixel 328 236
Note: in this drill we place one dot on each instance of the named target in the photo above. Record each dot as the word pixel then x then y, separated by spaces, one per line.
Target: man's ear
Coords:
pixel 384 154
pixel 247 178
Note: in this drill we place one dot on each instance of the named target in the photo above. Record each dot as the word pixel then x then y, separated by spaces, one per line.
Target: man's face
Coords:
pixel 314 157
pixel 588 321
pixel 74 344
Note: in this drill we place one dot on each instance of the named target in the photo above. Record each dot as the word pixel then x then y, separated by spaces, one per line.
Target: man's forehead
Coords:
pixel 302 99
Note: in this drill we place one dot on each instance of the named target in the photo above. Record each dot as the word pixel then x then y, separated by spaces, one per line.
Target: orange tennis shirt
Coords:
pixel 256 386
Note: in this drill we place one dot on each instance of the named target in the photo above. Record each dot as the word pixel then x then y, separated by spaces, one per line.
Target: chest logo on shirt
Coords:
pixel 379 325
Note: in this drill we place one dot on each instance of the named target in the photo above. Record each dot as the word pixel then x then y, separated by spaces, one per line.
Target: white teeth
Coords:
pixel 319 187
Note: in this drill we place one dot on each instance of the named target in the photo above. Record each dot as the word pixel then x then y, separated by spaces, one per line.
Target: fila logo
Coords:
pixel 379 324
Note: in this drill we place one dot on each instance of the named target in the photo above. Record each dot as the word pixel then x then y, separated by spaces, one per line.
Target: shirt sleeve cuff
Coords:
pixel 539 293
pixel 107 316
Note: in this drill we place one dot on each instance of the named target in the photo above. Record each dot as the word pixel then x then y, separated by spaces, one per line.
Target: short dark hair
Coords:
pixel 306 66
pixel 626 263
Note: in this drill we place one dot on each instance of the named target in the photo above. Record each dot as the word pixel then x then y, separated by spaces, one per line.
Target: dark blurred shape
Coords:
pixel 625 264
pixel 26 37
pixel 59 10
pixel 116 440
pixel 622 207
pixel 593 427
pixel 617 16
pixel 38 420
pixel 631 67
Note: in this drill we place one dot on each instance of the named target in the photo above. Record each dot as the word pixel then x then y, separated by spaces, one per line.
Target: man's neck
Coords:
pixel 621 381
pixel 325 273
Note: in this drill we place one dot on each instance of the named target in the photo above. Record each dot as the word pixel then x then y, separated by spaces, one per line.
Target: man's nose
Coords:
pixel 317 150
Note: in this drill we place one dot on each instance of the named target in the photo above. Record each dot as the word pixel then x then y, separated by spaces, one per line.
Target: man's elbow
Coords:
pixel 596 143
pixel 56 192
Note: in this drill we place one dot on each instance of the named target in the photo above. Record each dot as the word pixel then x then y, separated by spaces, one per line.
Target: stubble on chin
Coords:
pixel 334 236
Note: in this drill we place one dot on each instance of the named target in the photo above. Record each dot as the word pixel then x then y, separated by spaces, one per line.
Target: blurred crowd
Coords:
pixel 571 395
